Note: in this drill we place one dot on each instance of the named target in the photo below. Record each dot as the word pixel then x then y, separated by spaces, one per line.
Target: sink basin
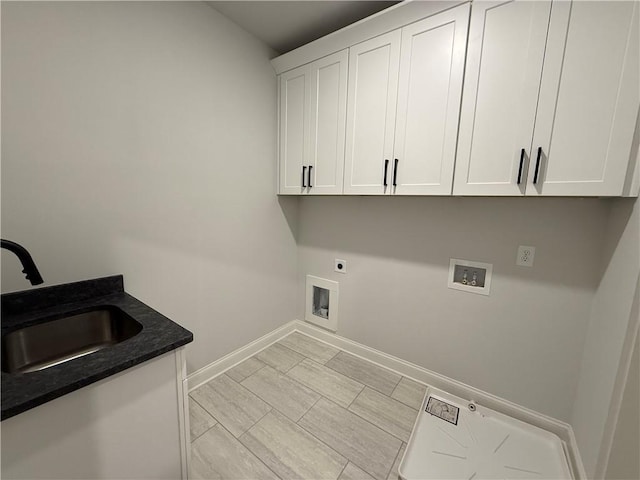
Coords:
pixel 62 339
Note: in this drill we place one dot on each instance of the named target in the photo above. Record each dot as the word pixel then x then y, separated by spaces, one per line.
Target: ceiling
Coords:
pixel 285 25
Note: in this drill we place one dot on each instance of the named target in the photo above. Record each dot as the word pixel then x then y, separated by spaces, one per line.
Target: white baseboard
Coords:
pixel 561 429
pixel 206 373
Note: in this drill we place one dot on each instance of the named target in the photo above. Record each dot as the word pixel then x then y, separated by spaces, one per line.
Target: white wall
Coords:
pixel 624 462
pixel 611 320
pixel 139 138
pixel 523 342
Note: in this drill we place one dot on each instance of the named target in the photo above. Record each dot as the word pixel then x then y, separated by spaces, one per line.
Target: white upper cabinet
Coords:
pixel 589 99
pixel 430 86
pixel 294 129
pixel 402 114
pixel 502 79
pixel 313 100
pixel 490 97
pixel 328 117
pixel 371 113
pixel 550 98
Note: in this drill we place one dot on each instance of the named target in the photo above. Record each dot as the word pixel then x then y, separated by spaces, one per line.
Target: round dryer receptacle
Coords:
pixel 340 266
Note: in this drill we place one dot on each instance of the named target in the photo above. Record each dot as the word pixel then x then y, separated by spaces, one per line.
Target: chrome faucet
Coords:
pixel 30 269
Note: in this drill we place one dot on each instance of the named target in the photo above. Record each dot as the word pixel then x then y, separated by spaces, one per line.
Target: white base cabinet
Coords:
pixel 130 425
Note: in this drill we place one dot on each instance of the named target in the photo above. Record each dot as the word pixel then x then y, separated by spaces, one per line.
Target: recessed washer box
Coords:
pixel 469 276
pixel 321 305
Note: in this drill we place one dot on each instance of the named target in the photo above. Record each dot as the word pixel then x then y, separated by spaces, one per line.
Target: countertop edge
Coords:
pixel 52 395
pixel 159 335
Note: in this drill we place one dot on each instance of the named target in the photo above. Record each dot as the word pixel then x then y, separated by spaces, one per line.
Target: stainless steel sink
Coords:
pixel 62 339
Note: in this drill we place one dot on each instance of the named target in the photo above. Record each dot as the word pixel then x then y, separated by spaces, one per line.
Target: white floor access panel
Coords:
pixel 451 440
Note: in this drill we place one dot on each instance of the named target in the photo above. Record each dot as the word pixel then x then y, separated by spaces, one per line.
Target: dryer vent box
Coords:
pixel 321 305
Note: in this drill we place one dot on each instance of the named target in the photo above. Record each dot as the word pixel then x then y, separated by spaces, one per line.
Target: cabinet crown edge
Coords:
pixel 394 17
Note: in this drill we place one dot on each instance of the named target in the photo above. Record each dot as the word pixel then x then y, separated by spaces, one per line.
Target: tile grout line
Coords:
pixel 203 433
pixel 399 380
pixel 226 372
pixel 306 356
pixel 343 469
pixel 365 420
pixel 275 368
pixel 210 414
pixel 359 356
pixel 367 385
pixel 259 420
pixel 394 462
pixel 289 348
pixel 320 440
pixel 347 408
pixel 249 450
pixel 375 390
pixel 364 385
pixel 356 397
pixel 265 402
pixel 396 399
pixel 405 403
pixel 314 404
pixel 294 366
pixel 319 341
pixel 254 373
pixel 322 394
pixel 361 418
pixel 334 356
pixel 313 339
pixel 372 476
pixel 276 408
pixel 304 430
pixel 377 426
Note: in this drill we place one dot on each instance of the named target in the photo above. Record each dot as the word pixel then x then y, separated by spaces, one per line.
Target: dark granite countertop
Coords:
pixel 22 391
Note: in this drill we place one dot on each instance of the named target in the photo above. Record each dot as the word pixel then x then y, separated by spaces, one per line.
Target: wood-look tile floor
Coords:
pixel 302 409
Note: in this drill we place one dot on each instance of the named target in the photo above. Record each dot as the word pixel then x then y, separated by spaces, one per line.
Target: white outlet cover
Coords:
pixel 525 256
pixel 340 266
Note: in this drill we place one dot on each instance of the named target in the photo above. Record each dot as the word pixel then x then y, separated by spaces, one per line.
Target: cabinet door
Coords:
pixel 429 91
pixel 371 112
pixel 502 80
pixel 327 123
pixel 588 100
pixel 294 129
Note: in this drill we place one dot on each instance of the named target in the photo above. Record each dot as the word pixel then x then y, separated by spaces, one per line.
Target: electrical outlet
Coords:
pixel 340 266
pixel 525 256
